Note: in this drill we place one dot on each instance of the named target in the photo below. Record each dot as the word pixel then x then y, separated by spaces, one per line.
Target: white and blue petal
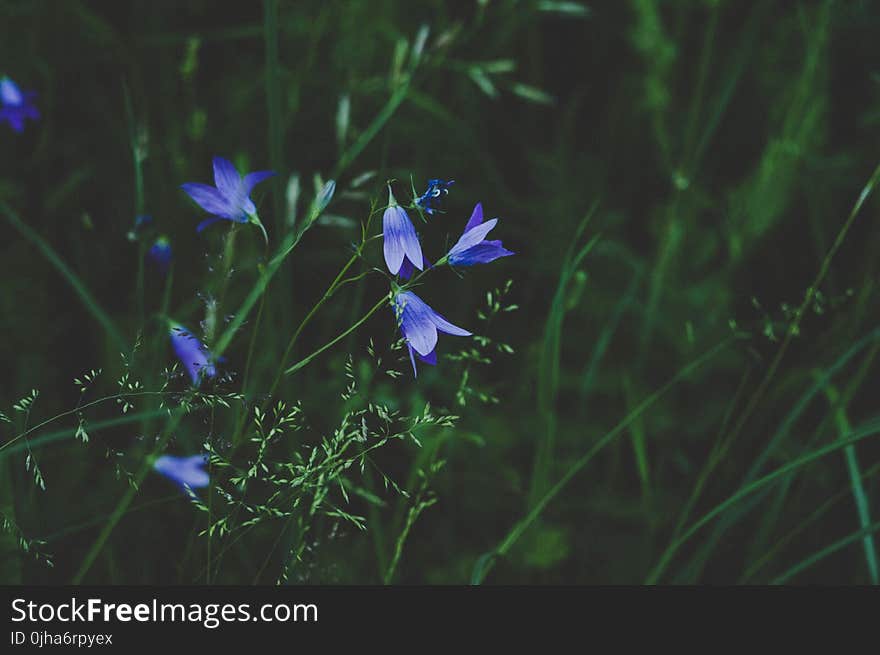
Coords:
pixel 192 353
pixel 253 179
pixel 209 199
pixel 482 253
pixel 184 471
pixel 419 325
pixel 400 239
pixel 226 177
pixel 416 322
pixel 10 94
pixel 473 236
pixel 473 247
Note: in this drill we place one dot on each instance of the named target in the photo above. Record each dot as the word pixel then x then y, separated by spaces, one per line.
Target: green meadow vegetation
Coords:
pixel 671 381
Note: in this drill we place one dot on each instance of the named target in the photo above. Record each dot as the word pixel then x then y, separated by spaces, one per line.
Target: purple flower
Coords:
pixel 400 240
pixel 192 353
pixel 407 269
pixel 16 106
pixel 419 325
pixel 229 198
pixel 186 472
pixel 472 247
pixel 430 199
pixel 160 254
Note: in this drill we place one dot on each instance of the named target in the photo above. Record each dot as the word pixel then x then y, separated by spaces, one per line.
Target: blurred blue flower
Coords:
pixel 229 198
pixel 192 353
pixel 472 247
pixel 430 199
pixel 419 325
pixel 142 221
pixel 160 253
pixel 400 240
pixel 186 472
pixel 16 106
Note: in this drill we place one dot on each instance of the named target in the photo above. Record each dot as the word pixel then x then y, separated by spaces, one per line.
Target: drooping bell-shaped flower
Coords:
pixel 419 325
pixel 472 247
pixel 192 353
pixel 229 198
pixel 16 105
pixel 399 237
pixel 160 254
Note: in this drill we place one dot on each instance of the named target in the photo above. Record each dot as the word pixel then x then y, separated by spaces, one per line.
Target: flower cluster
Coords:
pixel 418 322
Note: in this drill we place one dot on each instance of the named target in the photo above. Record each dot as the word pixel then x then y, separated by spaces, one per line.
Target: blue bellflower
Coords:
pixel 229 198
pixel 192 353
pixel 419 325
pixel 407 269
pixel 186 472
pixel 400 240
pixel 472 247
pixel 16 106
pixel 160 253
pixel 429 201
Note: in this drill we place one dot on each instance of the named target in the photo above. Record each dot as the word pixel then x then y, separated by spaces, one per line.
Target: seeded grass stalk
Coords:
pixel 785 427
pixel 127 498
pixel 792 330
pixel 485 563
pixel 293 238
pixel 81 290
pixel 61 435
pixel 23 435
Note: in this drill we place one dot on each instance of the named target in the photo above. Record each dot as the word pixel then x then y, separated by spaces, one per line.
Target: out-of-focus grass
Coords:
pixel 689 399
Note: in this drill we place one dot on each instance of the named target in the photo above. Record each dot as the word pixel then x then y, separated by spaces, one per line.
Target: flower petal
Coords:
pixel 392 245
pixel 445 326
pixel 209 221
pixel 416 322
pixel 407 268
pixel 253 179
pixel 192 353
pixel 476 217
pixel 482 253
pixel 473 236
pixel 185 471
pixel 412 247
pixel 10 94
pixel 209 199
pixel 412 360
pixel 12 115
pixel 226 177
pixel 400 238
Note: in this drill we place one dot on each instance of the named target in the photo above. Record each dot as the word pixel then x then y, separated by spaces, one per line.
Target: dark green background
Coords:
pixel 719 147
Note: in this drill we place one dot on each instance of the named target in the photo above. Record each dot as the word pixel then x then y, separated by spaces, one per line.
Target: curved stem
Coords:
pixel 303 362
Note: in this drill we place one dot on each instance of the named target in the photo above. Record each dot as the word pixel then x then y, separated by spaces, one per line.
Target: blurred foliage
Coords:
pixel 672 175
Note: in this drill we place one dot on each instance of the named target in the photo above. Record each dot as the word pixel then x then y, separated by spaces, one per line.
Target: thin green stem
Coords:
pixel 49 252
